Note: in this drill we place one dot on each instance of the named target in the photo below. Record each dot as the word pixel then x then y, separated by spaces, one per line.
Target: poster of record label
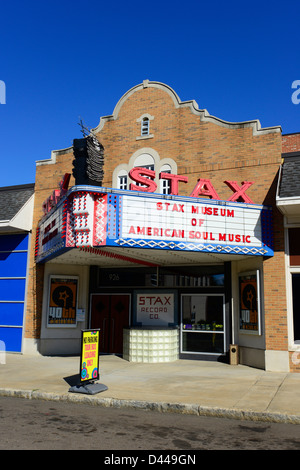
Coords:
pixel 89 361
pixel 62 301
pixel 249 303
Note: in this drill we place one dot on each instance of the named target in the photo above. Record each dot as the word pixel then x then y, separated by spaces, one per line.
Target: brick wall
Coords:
pixel 202 147
pixel 290 143
pixel 48 176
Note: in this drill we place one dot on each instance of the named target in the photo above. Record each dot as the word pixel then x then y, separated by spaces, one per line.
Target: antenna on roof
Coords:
pixel 84 129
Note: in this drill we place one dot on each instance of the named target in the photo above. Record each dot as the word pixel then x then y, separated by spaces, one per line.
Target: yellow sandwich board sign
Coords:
pixel 89 360
pixel 89 364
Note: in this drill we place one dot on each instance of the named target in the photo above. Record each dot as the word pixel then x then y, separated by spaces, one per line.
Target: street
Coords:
pixel 50 425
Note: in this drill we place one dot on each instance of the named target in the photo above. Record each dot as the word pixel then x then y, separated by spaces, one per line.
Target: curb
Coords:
pixel 161 407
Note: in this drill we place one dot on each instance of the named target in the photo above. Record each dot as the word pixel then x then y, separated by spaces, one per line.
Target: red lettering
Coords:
pixel 168 207
pixel 234 238
pixel 57 194
pixel 239 192
pixel 200 222
pixel 204 188
pixel 154 316
pixel 174 181
pixel 64 184
pixel 138 175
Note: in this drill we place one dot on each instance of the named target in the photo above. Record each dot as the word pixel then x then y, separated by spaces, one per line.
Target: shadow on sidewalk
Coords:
pixel 72 380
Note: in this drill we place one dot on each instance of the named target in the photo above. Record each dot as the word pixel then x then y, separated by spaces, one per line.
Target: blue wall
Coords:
pixel 13 269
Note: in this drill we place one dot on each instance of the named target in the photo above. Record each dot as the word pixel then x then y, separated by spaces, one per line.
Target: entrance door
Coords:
pixel 110 313
pixel 203 324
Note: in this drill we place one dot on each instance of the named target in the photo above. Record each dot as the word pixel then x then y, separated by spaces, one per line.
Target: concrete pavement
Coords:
pixel 184 386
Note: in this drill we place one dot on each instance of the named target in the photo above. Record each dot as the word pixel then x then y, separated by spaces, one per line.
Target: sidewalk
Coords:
pixel 183 386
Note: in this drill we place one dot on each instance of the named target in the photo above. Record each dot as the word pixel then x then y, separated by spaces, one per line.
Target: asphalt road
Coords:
pixel 50 425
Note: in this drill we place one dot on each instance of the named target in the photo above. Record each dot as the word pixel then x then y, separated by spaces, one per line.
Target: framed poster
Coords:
pixel 249 298
pixel 89 359
pixel 63 291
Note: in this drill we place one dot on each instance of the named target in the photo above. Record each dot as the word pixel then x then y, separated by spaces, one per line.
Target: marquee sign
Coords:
pixel 116 218
pixel 189 225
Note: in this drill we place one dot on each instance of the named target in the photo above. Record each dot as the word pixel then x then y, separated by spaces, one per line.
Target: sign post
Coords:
pixel 89 364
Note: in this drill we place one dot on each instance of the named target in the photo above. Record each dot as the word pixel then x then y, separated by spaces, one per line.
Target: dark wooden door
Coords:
pixel 110 313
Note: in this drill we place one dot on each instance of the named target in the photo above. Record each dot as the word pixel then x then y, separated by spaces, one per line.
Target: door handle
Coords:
pixel 112 332
pixel 104 333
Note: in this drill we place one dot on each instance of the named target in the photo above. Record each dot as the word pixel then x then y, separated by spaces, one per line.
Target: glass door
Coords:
pixel 202 324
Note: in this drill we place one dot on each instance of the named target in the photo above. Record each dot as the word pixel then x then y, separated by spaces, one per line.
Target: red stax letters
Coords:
pixel 205 188
pixel 57 194
pixel 239 192
pixel 174 181
pixel 138 174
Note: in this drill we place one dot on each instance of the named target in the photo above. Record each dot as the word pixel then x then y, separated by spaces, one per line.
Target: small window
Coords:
pixel 165 185
pixel 144 123
pixel 145 126
pixel 122 180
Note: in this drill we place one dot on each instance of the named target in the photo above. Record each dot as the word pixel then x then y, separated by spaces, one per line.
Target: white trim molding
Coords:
pixel 192 104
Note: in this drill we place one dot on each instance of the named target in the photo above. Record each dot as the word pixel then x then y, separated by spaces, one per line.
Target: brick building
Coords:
pixel 166 236
pixel 288 202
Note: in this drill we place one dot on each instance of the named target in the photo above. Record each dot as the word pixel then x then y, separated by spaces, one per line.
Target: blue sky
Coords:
pixel 62 60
